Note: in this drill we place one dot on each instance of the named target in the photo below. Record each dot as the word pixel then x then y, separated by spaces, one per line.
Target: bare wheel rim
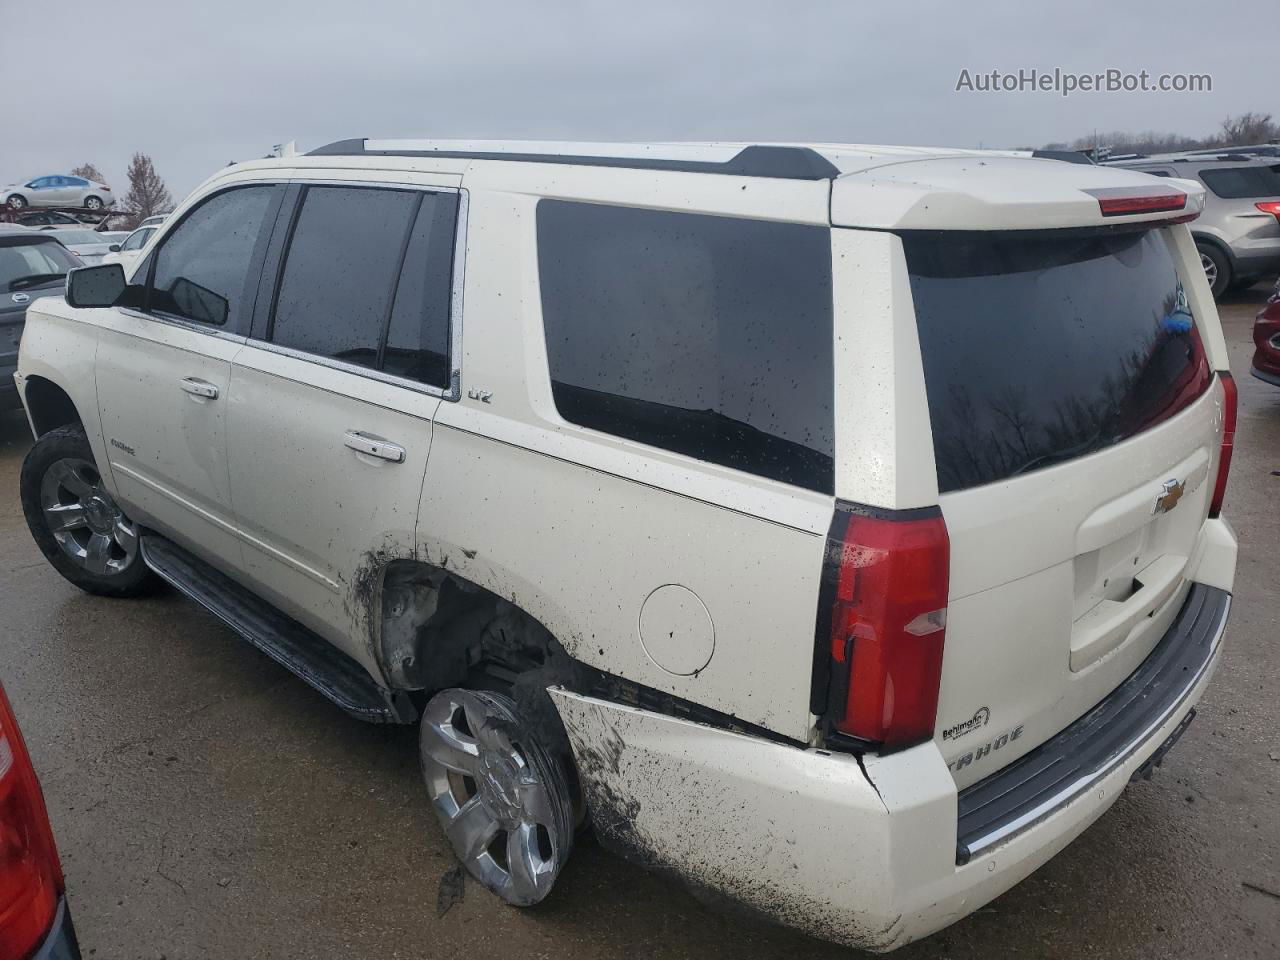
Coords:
pixel 84 520
pixel 497 795
pixel 1210 269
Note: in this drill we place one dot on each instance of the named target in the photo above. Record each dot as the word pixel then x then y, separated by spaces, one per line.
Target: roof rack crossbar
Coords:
pixel 777 162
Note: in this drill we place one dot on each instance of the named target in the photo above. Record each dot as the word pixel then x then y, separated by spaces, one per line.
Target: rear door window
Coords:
pixel 1042 347
pixel 1239 183
pixel 367 280
pixel 707 336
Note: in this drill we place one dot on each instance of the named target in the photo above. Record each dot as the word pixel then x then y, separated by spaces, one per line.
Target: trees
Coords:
pixel 1248 128
pixel 88 171
pixel 147 193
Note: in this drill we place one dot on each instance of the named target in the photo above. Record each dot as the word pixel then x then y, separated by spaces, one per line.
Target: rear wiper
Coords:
pixel 1088 445
pixel 31 279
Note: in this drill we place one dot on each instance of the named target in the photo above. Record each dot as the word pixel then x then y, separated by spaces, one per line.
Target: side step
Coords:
pixel 283 639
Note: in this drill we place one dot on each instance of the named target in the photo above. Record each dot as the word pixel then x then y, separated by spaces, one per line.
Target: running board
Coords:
pixel 283 639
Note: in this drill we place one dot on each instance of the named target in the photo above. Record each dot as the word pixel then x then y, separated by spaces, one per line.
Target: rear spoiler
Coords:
pixel 1007 193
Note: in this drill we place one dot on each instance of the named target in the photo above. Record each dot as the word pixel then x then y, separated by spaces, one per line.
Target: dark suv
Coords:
pixel 32 264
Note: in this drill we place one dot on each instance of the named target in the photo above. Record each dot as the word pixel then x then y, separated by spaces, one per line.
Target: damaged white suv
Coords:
pixel 834 527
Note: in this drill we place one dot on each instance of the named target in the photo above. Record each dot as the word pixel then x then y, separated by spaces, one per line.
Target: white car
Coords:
pixel 58 191
pixel 127 251
pixel 835 527
pixel 89 245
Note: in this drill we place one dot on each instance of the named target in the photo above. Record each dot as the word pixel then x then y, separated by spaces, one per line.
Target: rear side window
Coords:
pixel 202 270
pixel 1239 183
pixel 344 293
pixel 707 336
pixel 1042 347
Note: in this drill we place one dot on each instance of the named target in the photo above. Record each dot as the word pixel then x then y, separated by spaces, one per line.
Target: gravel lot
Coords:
pixel 208 805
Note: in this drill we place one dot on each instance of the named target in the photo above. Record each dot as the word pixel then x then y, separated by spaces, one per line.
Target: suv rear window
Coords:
pixel 707 336
pixel 1238 183
pixel 1042 347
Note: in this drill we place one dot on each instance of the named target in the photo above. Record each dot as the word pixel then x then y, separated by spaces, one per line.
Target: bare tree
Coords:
pixel 1244 130
pixel 88 171
pixel 147 193
pixel 1248 128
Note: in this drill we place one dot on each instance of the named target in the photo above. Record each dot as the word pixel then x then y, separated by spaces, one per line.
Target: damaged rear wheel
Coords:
pixel 504 801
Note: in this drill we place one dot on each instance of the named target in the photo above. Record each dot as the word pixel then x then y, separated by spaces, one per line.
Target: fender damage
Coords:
pixel 792 835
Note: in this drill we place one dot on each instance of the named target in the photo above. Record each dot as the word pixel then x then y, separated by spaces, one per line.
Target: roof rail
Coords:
pixel 777 162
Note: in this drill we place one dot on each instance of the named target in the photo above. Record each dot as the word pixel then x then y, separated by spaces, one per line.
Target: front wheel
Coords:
pixel 503 799
pixel 16 201
pixel 75 522
pixel 93 203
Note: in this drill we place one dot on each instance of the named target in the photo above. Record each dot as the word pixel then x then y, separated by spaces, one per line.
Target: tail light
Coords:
pixel 30 875
pixel 1229 402
pixel 881 625
pixel 1270 206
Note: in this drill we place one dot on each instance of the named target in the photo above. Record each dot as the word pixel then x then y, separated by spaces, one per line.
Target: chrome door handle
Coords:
pixel 374 446
pixel 198 388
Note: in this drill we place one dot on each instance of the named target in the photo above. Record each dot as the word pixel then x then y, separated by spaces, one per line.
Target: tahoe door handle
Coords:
pixel 198 388
pixel 374 446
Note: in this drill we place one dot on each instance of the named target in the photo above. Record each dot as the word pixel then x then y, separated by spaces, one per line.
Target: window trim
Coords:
pixel 262 327
pixel 252 281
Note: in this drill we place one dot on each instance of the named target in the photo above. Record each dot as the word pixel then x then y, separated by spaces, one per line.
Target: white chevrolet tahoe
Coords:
pixel 834 527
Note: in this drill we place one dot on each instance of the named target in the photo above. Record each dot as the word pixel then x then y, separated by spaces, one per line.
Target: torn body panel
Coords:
pixel 709 807
pixel 859 850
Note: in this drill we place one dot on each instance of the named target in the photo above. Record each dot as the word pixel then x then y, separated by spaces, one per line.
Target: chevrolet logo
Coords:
pixel 1169 497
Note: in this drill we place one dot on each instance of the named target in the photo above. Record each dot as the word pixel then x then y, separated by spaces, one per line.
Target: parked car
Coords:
pixel 32 264
pixel 89 245
pixel 58 191
pixel 1266 341
pixel 1255 150
pixel 49 220
pixel 838 528
pixel 154 220
pixel 127 252
pixel 35 922
pixel 1238 235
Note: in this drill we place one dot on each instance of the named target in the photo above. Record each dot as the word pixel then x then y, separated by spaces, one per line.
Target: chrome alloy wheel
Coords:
pixel 502 801
pixel 84 520
pixel 1210 269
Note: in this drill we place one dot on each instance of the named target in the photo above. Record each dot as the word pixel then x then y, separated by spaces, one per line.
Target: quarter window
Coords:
pixel 707 336
pixel 367 280
pixel 203 269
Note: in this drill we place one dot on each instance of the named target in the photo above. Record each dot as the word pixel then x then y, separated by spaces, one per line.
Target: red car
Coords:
pixel 1266 340
pixel 34 921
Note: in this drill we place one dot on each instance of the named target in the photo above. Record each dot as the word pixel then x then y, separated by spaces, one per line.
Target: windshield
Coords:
pixel 1043 346
pixel 20 262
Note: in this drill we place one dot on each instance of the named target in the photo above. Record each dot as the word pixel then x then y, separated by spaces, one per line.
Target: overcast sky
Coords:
pixel 197 85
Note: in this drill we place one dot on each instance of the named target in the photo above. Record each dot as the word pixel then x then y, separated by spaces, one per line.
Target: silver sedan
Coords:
pixel 58 191
pixel 89 245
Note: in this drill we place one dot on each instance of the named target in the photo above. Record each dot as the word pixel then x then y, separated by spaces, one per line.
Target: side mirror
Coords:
pixel 98 286
pixel 114 248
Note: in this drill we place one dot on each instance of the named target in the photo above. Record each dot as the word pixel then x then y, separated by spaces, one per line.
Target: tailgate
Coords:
pixel 1076 428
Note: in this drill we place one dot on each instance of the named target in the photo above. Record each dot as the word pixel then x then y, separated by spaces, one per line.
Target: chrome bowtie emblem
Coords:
pixel 1169 497
pixel 21 298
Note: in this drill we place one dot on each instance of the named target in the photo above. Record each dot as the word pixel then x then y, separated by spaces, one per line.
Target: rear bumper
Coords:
pixel 863 851
pixel 61 943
